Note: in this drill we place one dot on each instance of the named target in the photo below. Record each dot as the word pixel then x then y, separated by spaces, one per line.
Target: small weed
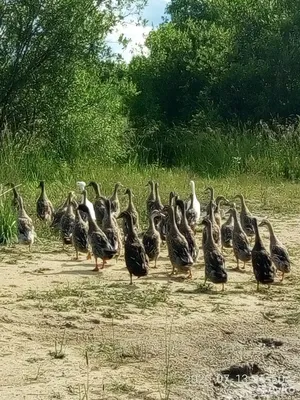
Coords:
pixel 59 348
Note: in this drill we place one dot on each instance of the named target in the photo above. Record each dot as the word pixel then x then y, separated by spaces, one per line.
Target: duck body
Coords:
pixel 133 212
pixel 99 206
pixel 187 232
pixel 44 207
pixel 151 238
pixel 278 252
pixel 246 217
pixel 191 215
pixel 214 260
pixel 114 200
pixel 26 231
pixel 240 242
pixel 80 235
pixel 178 247
pixel 136 259
pixel 215 227
pixel 101 248
pixel 67 222
pixel 227 233
pixel 263 269
pixel 111 229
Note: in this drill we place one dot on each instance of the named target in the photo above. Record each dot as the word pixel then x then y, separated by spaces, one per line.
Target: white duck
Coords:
pixel 81 186
pixel 196 203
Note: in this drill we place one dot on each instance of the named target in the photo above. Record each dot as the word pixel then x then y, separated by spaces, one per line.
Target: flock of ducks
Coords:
pixel 93 229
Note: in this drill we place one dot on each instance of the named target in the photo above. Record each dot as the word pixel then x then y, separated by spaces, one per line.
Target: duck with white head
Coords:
pixel 81 186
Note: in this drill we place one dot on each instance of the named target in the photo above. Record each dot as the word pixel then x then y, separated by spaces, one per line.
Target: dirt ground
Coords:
pixel 70 333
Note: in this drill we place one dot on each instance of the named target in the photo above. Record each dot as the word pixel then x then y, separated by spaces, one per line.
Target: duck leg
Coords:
pixel 89 256
pixel 257 286
pixel 155 262
pixel 76 256
pixel 223 287
pixel 282 276
pixel 97 266
pixel 130 279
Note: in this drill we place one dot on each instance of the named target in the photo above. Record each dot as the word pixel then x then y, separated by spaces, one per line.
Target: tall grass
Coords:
pixel 264 166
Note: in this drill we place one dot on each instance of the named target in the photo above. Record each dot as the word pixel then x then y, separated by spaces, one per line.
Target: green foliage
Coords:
pixel 8 228
pixel 216 63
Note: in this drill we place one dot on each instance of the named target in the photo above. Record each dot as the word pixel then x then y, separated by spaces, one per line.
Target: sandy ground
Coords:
pixel 70 333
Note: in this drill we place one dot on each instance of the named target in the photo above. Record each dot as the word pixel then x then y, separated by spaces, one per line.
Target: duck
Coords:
pixel 240 241
pixel 44 207
pixel 99 206
pixel 151 238
pixel 214 260
pixel 150 202
pixel 111 229
pixel 215 226
pixel 196 203
pixel 210 190
pixel 278 252
pixel 26 231
pixel 59 212
pixel 81 186
pixel 191 215
pixel 246 217
pixel 101 247
pixel 80 236
pixel 186 231
pixel 263 269
pixel 67 222
pixel 227 233
pixel 114 200
pixel 131 210
pixel 178 247
pixel 137 262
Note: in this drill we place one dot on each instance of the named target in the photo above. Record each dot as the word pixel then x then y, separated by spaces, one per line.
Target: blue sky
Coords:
pixel 153 12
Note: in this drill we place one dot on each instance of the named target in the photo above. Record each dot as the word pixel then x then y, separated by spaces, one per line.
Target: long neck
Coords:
pixel 96 188
pixel 152 227
pixel 237 225
pixel 184 221
pixel 43 189
pixel 151 195
pixel 78 216
pixel 243 204
pixel 157 195
pixel 22 212
pixel 108 210
pixel 258 241
pixel 131 231
pixel 130 203
pixel 212 194
pixel 115 192
pixel 211 212
pixel 229 220
pixel 210 234
pixel 273 237
pixel 173 220
pixel 193 189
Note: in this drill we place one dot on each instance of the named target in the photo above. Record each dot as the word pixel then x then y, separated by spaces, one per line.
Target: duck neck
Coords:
pixel 43 190
pixel 229 220
pixel 157 195
pixel 173 220
pixel 193 189
pixel 273 238
pixel 258 241
pixel 151 195
pixel 237 225
pixel 184 222
pixel 131 232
